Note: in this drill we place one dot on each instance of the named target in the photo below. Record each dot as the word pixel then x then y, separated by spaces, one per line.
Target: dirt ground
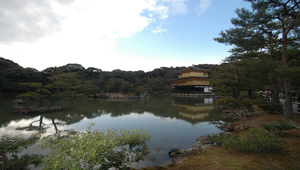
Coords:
pixel 217 158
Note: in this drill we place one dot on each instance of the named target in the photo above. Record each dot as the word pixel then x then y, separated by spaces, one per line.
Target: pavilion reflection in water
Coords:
pixel 194 111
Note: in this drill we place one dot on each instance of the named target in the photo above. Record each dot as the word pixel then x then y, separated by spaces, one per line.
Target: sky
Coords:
pixel 130 35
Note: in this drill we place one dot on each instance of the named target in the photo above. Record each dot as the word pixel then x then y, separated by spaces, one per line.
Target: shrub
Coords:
pixel 277 127
pixel 94 149
pixel 255 141
pixel 14 144
pixel 268 106
pixel 221 139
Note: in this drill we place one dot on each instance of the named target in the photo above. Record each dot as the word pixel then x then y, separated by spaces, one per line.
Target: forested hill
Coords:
pixel 93 80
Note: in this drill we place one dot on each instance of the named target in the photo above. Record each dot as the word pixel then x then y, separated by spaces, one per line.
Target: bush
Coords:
pixel 94 149
pixel 255 141
pixel 277 127
pixel 268 106
pixel 14 145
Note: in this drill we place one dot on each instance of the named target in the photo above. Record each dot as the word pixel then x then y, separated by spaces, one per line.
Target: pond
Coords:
pixel 172 122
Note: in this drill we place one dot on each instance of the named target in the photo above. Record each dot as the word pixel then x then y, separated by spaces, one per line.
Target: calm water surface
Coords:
pixel 173 123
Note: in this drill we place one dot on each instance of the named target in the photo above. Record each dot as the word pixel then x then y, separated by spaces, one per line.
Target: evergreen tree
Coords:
pixel 284 15
pixel 272 28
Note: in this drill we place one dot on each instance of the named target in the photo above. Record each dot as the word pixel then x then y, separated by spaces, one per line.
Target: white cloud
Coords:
pixel 166 7
pixel 161 10
pixel 204 5
pixel 26 21
pixel 177 6
pixel 77 31
pixel 158 29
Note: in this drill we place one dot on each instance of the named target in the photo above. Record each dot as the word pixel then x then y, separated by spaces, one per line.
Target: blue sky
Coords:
pixel 129 35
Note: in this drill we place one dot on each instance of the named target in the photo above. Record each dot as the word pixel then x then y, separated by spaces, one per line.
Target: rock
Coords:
pixel 178 160
pixel 228 128
pixel 192 151
pixel 225 133
pixel 204 140
pixel 199 147
pixel 175 152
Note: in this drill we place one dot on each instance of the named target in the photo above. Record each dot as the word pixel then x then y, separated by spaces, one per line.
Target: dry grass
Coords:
pixel 216 158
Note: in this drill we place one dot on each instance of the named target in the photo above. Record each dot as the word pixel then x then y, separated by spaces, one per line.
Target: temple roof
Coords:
pixel 193 68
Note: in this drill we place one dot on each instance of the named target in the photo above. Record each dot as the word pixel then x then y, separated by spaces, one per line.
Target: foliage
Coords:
pixel 243 116
pixel 38 92
pixel 14 145
pixel 113 85
pixel 237 109
pixel 91 87
pixel 157 80
pixel 270 107
pixel 126 87
pixel 255 141
pixel 277 127
pixel 232 102
pixel 64 82
pixel 94 149
pixel 11 75
pixel 270 31
pixel 229 79
pixel 140 90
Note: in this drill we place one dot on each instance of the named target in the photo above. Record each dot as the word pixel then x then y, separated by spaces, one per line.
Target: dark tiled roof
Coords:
pixel 193 68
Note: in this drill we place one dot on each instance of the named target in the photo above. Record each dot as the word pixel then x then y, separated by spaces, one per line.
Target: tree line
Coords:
pixel 89 81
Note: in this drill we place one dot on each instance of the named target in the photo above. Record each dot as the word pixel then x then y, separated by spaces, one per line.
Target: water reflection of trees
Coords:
pixel 79 109
pixel 41 127
pixel 160 106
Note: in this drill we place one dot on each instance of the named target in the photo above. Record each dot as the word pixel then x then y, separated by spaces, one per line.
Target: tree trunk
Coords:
pixel 237 91
pixel 274 84
pixel 54 124
pixel 41 102
pixel 54 98
pixel 288 108
pixel 237 87
pixel 249 93
pixel 41 124
pixel 275 90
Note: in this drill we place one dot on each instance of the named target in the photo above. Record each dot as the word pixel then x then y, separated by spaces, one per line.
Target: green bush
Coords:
pixel 222 139
pixel 12 145
pixel 94 149
pixel 268 106
pixel 277 127
pixel 255 141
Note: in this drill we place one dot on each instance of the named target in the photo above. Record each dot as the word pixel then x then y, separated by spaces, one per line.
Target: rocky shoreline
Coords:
pixel 199 147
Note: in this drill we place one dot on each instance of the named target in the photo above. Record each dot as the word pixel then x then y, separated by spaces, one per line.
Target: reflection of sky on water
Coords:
pixel 170 133
pixel 163 122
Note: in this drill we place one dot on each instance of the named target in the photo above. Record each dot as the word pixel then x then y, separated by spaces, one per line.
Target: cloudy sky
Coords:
pixel 115 34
